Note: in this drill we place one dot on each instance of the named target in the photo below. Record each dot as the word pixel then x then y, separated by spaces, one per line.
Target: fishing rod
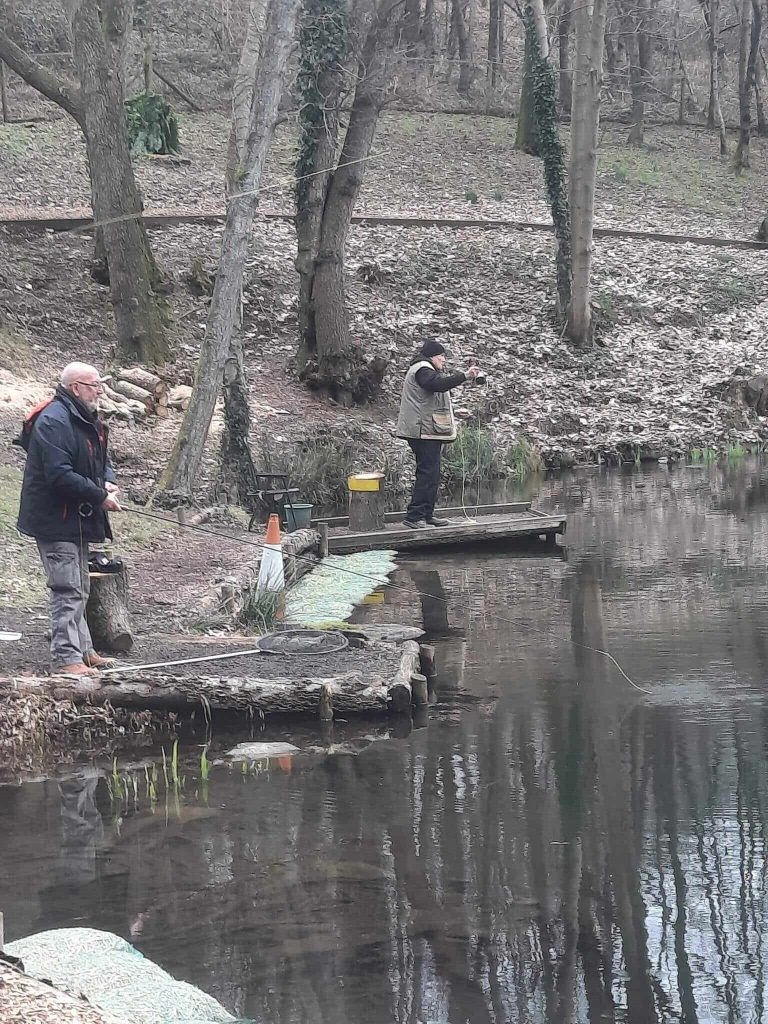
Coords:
pixel 378 582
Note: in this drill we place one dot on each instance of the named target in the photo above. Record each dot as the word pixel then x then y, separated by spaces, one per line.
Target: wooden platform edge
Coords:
pixel 464 533
pixel 450 510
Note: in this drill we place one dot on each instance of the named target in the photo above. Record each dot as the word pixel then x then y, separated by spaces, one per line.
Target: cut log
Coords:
pixel 154 691
pixel 366 511
pixel 107 613
pixel 142 378
pixel 348 693
pixel 128 390
pixel 178 397
pixel 134 407
pixel 400 693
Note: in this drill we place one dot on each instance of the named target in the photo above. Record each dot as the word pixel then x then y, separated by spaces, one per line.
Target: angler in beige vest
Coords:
pixel 426 422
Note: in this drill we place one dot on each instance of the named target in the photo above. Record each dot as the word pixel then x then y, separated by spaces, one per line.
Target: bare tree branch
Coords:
pixel 67 96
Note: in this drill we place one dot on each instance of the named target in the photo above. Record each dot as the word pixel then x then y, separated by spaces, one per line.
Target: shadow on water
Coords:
pixel 555 847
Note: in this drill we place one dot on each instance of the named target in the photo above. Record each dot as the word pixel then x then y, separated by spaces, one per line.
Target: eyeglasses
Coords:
pixel 96 385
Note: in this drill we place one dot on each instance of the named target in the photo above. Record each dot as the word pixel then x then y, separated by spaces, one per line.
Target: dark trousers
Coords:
pixel 425 488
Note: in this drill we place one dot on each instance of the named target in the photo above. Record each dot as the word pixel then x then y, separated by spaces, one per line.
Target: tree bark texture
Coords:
pixel 98 45
pixel 527 132
pixel 352 693
pixel 542 75
pixel 242 91
pixel 340 368
pixel 636 28
pixel 241 208
pixel 107 613
pixel 494 48
pixel 66 95
pixel 585 122
pixel 321 81
pixel 749 44
pixel 464 42
pixel 564 44
pixel 237 472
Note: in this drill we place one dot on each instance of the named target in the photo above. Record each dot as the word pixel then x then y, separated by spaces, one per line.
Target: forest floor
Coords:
pixel 677 324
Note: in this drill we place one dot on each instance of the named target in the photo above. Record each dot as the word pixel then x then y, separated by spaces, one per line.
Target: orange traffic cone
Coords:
pixel 271 575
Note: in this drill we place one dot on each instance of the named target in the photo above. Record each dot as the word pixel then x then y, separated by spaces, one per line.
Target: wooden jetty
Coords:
pixel 470 524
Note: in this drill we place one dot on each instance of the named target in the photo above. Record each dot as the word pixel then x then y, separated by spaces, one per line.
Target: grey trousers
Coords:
pixel 66 572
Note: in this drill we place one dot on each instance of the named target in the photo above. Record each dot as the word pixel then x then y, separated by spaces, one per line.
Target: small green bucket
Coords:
pixel 298 517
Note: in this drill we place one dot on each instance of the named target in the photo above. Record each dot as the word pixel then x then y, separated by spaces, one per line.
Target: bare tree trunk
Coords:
pixel 320 83
pixel 527 132
pixel 66 95
pixel 242 91
pixel 564 41
pixel 428 32
pixel 711 9
pixel 412 25
pixel 237 472
pixel 464 41
pixel 585 121
pixel 552 150
pixel 339 368
pixel 749 42
pixel 493 42
pixel 638 45
pixel 241 208
pixel 760 77
pixel 99 35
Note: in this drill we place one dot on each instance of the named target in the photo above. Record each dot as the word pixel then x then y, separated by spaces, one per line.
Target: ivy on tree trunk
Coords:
pixel 543 87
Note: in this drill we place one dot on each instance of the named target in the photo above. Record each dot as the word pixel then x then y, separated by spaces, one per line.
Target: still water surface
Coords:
pixel 552 846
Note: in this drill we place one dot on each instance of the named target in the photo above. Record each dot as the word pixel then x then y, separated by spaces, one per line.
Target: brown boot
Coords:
pixel 94 660
pixel 78 669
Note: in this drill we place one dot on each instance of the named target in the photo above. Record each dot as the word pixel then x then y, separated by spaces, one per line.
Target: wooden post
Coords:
pixel 326 703
pixel 427 659
pixel 323 531
pixel 419 689
pixel 107 612
pixel 366 503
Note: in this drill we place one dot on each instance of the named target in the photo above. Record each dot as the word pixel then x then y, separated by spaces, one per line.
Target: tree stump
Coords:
pixel 366 503
pixel 107 612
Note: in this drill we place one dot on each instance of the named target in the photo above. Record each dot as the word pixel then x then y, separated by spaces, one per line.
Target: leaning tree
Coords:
pixel 100 32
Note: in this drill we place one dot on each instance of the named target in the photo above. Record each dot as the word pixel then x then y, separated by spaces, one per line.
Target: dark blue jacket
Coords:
pixel 67 467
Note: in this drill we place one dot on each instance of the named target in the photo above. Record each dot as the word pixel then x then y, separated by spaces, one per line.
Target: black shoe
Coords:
pixel 434 521
pixel 101 564
pixel 415 524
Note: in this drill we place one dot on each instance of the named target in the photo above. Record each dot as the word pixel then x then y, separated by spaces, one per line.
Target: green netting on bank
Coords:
pixel 328 595
pixel 115 977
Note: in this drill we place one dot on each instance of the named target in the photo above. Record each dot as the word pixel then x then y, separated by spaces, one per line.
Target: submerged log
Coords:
pixel 107 613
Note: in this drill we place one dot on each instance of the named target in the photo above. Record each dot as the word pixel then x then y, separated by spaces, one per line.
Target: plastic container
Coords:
pixel 298 516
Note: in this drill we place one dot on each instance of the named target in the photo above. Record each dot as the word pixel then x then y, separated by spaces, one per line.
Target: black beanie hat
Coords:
pixel 432 348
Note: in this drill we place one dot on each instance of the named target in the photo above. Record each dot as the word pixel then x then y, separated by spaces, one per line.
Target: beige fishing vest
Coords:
pixel 425 414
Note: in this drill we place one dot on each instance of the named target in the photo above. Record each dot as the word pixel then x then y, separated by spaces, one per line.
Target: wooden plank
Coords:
pixel 67 222
pixel 452 510
pixel 463 534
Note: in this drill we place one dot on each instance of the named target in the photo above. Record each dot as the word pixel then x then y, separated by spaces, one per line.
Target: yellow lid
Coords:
pixel 365 481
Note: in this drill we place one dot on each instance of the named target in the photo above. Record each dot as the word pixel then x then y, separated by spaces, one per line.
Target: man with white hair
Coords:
pixel 68 489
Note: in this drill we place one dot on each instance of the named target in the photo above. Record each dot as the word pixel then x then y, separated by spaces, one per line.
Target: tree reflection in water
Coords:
pixel 554 847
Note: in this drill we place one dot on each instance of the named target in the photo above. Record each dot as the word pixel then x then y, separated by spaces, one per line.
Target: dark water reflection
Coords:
pixel 554 846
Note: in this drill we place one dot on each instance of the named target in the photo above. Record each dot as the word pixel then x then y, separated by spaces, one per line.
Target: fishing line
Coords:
pixel 392 586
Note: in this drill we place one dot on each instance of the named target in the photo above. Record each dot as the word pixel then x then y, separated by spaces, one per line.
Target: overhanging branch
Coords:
pixel 68 97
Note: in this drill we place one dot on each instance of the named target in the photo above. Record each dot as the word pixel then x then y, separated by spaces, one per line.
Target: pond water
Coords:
pixel 548 844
